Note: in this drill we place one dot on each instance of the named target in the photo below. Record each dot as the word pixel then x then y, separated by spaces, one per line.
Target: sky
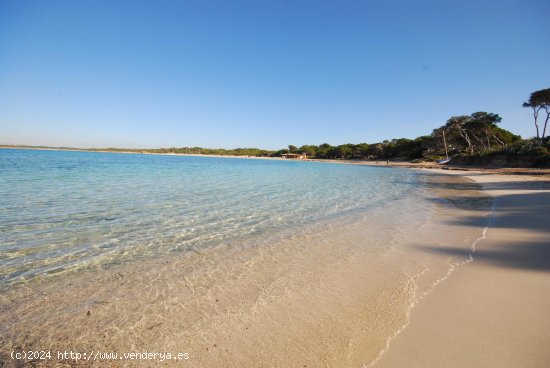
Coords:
pixel 263 73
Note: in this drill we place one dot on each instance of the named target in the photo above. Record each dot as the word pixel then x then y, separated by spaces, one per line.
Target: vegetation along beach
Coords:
pixel 389 205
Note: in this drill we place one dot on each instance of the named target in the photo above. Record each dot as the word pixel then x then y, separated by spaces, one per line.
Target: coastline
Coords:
pixel 136 152
pixel 379 163
pixel 330 295
pixel 447 168
pixel 493 312
pixel 283 184
pixel 333 299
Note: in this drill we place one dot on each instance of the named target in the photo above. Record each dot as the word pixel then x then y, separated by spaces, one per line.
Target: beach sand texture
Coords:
pixel 494 311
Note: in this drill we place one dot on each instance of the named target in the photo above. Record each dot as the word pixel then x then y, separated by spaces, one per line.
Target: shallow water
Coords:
pixel 62 210
pixel 288 264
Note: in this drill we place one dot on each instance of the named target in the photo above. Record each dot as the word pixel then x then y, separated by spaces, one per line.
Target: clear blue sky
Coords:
pixel 263 73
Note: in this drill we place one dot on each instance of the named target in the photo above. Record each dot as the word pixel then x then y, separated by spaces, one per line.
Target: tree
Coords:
pixel 481 127
pixel 404 148
pixel 537 101
pixel 360 150
pixel 376 150
pixel 456 125
pixel 343 151
pixel 426 145
pixel 323 150
pixel 474 133
pixel 310 151
pixel 292 149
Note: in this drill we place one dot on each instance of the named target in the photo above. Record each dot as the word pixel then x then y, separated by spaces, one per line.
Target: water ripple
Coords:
pixel 61 210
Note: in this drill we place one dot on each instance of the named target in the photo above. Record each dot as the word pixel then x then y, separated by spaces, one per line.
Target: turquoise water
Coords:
pixel 61 210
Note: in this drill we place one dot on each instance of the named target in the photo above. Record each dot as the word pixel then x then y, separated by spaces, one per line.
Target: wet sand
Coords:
pixel 494 311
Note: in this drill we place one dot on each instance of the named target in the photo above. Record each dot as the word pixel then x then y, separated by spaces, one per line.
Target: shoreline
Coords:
pixel 494 310
pixel 420 305
pixel 331 295
pixel 140 153
pixel 446 168
pixel 378 163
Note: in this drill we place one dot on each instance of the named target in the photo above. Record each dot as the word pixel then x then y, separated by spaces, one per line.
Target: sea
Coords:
pixel 229 261
pixel 62 210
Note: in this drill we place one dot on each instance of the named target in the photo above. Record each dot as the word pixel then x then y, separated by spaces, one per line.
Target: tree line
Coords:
pixel 474 133
pixel 254 152
pixel 471 135
pixel 467 135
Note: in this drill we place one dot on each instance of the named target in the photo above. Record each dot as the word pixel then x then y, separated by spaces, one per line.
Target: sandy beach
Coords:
pixel 463 281
pixel 278 184
pixel 492 312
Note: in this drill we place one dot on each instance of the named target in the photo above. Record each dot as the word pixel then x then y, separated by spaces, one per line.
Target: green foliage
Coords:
pixel 473 134
pixel 525 153
pixel 539 98
pixel 310 151
pixel 253 152
pixel 467 135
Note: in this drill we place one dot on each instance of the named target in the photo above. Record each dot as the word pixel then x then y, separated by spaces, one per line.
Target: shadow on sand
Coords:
pixel 527 255
pixel 446 182
pixel 527 212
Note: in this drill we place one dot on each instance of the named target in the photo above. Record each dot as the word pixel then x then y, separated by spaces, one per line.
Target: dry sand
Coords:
pixel 494 311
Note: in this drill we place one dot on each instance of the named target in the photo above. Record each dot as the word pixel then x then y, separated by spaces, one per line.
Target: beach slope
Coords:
pixel 494 311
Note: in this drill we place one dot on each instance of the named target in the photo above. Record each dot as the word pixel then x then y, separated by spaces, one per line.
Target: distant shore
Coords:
pixel 382 163
pixel 137 152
